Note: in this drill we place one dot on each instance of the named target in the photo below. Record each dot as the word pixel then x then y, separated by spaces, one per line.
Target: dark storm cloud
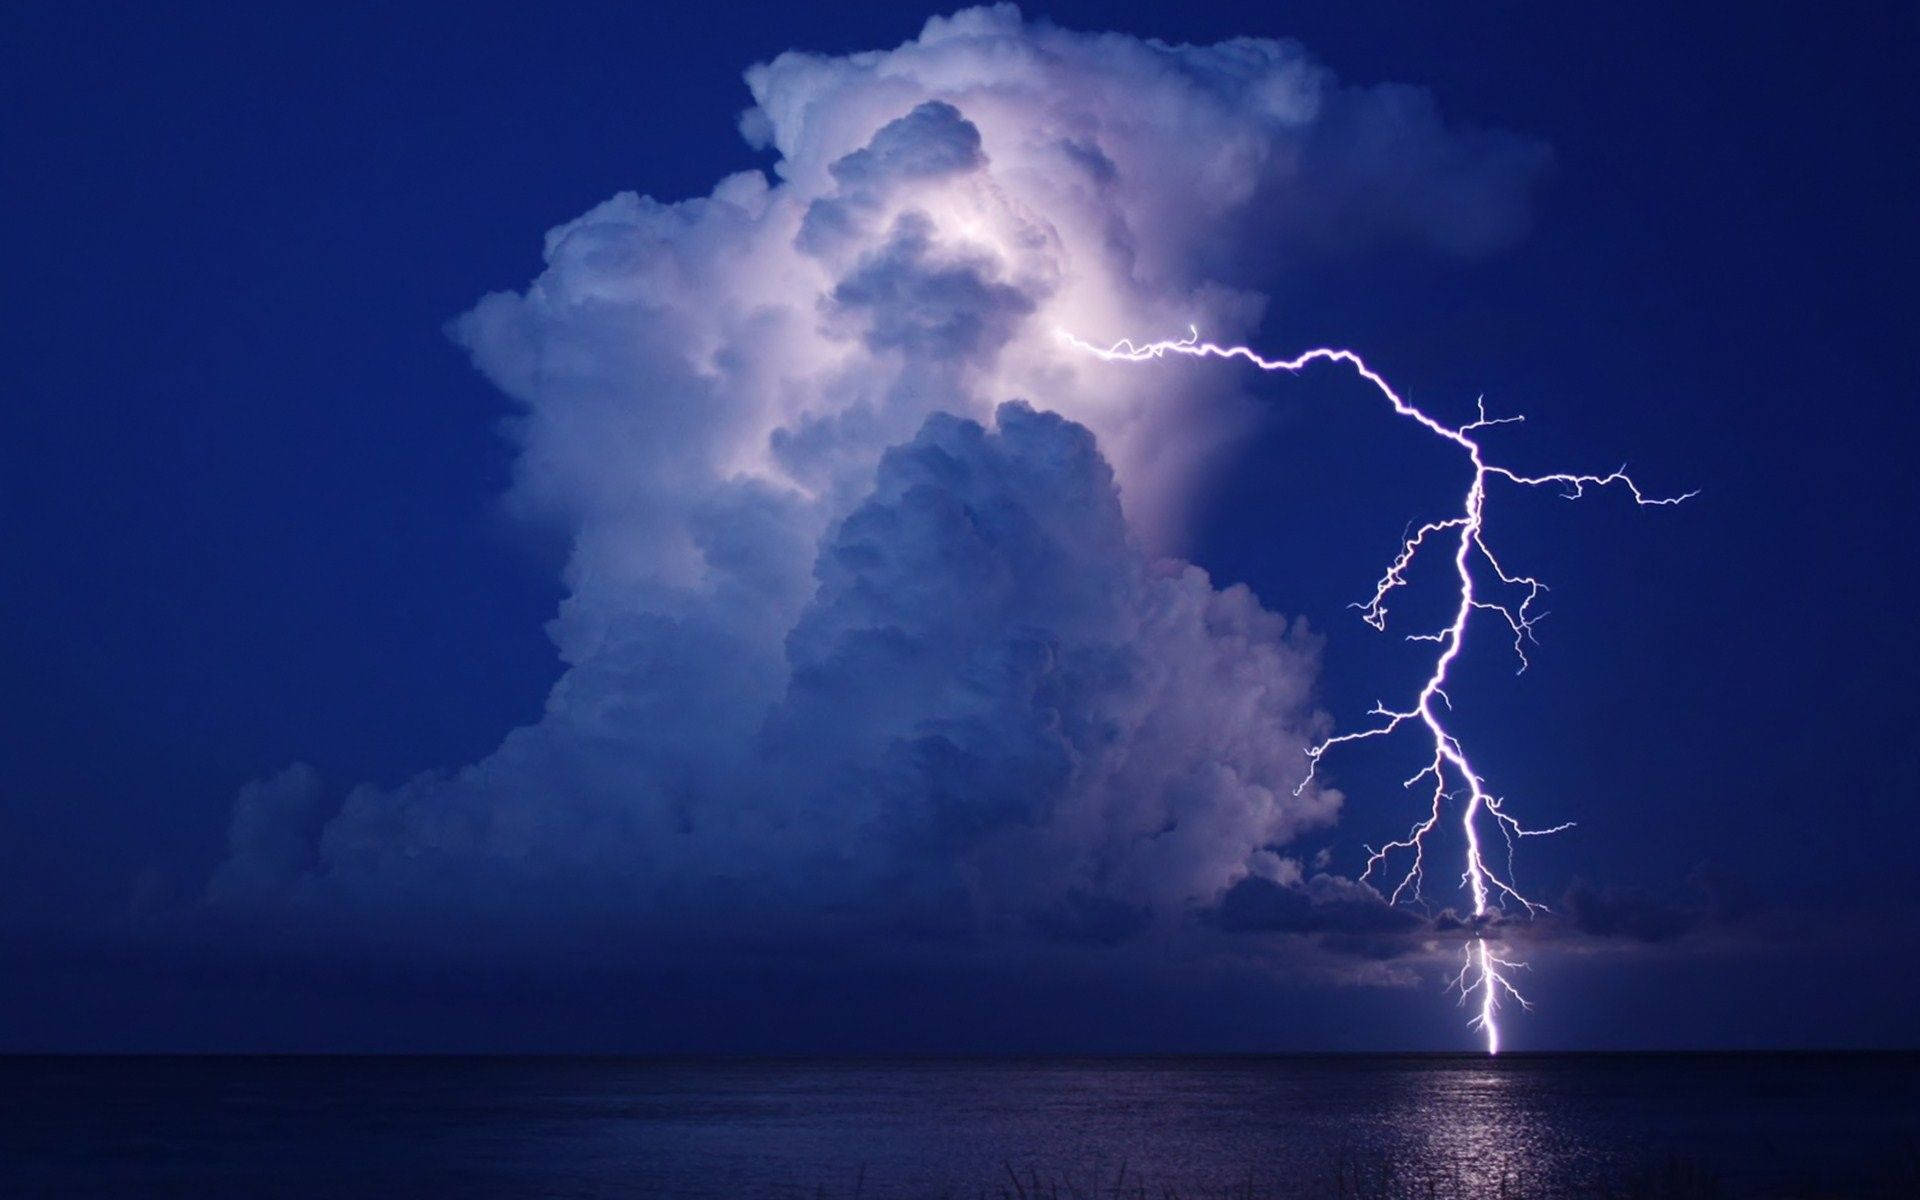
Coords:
pixel 1379 148
pixel 1344 920
pixel 272 833
pixel 946 311
pixel 872 637
pixel 1716 905
pixel 999 715
pixel 1625 913
pixel 1323 904
pixel 932 141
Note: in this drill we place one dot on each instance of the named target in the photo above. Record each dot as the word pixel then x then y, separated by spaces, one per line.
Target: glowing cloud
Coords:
pixel 873 624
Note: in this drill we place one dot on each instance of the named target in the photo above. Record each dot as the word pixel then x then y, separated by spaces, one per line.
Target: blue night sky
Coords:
pixel 718 666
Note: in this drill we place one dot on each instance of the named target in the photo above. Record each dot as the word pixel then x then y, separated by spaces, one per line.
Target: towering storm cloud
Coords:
pixel 870 621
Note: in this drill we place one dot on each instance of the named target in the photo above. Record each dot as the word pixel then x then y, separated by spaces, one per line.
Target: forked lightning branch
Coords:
pixel 1487 974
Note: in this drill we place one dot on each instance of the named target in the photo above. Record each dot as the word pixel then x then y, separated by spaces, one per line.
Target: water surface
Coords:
pixel 1521 1125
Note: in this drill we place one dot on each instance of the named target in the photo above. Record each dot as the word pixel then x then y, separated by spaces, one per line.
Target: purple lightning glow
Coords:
pixel 1486 974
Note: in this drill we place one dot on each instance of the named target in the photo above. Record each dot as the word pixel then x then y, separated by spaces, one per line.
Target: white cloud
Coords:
pixel 845 631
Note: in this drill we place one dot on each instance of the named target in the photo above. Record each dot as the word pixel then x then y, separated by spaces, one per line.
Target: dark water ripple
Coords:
pixel 1523 1126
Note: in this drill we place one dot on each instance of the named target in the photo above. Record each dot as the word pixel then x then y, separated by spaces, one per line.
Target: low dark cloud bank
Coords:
pixel 1344 919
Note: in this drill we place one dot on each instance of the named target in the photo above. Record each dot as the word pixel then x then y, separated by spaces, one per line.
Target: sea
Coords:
pixel 1233 1128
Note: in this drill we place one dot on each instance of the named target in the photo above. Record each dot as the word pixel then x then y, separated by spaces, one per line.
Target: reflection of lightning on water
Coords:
pixel 1486 973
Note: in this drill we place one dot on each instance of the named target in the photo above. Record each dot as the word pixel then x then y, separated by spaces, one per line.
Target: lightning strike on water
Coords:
pixel 1486 974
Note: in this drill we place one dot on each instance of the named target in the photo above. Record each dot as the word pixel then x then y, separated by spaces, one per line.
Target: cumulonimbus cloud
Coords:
pixel 869 605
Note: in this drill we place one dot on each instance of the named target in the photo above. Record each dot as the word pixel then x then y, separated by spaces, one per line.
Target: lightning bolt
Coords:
pixel 1486 974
